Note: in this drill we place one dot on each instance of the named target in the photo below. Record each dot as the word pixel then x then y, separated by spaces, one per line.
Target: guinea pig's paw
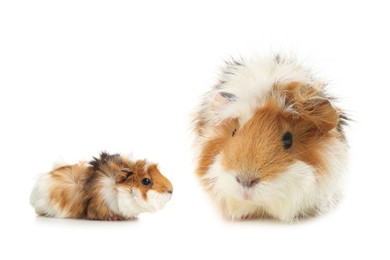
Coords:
pixel 116 218
pixel 246 217
pixel 235 216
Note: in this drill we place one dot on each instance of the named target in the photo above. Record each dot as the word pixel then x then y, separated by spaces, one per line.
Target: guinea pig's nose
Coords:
pixel 247 182
pixel 170 191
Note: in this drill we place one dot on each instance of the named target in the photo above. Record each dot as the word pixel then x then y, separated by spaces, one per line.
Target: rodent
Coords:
pixel 270 141
pixel 110 187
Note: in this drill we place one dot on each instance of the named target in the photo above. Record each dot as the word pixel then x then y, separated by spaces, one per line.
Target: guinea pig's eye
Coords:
pixel 146 181
pixel 287 140
pixel 234 132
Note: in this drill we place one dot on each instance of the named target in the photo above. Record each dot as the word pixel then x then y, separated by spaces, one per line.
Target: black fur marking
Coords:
pixel 237 63
pixel 104 158
pixel 128 174
pixel 86 205
pixel 219 84
pixel 234 62
pixel 343 121
pixel 234 132
pixel 229 72
pixel 277 58
pixel 228 96
pixel 231 65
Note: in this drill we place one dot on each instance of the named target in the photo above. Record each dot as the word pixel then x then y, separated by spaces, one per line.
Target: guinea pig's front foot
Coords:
pixel 115 218
pixel 242 217
pixel 246 217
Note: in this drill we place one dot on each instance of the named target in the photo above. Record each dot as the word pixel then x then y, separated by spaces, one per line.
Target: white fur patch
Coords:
pixel 129 202
pixel 132 203
pixel 251 82
pixel 109 192
pixel 296 191
pixel 40 198
pixel 157 200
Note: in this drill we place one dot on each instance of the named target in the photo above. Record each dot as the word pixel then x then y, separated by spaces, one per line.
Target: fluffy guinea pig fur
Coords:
pixel 110 187
pixel 270 141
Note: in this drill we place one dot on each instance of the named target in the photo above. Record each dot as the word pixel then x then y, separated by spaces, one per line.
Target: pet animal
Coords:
pixel 270 141
pixel 110 187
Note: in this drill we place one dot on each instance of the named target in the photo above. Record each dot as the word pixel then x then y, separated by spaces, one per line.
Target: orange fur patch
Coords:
pixel 67 190
pixel 257 149
pixel 142 170
pixel 211 148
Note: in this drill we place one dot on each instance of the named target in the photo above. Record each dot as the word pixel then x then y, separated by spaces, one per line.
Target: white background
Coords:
pixel 78 77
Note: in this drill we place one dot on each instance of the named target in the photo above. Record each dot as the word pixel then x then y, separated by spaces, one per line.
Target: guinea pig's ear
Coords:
pixel 123 176
pixel 319 112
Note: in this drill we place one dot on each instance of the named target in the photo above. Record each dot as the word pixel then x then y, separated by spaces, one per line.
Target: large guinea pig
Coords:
pixel 269 141
pixel 110 187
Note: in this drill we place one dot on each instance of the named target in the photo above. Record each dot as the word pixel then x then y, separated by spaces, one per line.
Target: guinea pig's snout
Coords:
pixel 170 191
pixel 247 182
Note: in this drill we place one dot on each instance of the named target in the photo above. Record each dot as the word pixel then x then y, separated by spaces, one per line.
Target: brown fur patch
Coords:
pixel 67 190
pixel 311 105
pixel 257 149
pixel 141 170
pixel 211 148
pixel 160 183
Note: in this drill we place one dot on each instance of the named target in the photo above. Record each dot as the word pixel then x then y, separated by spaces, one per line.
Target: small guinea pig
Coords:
pixel 111 187
pixel 269 140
